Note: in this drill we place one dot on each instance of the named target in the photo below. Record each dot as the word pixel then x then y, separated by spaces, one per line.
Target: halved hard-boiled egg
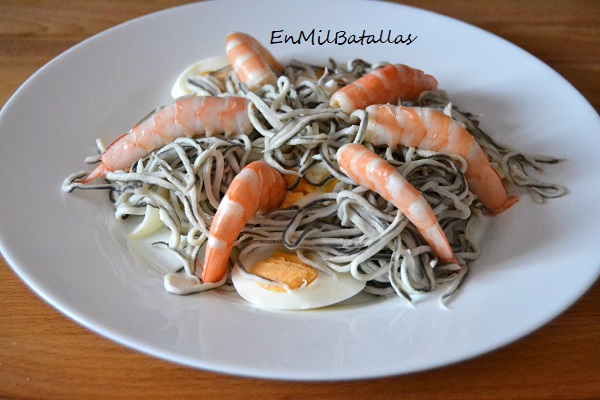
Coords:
pixel 279 280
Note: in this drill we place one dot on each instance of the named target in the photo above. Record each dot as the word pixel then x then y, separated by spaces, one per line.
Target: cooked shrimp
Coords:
pixel 429 129
pixel 191 116
pixel 258 187
pixel 384 85
pixel 371 171
pixel 251 62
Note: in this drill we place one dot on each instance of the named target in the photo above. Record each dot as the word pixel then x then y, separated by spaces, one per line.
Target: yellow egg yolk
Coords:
pixel 285 268
pixel 303 189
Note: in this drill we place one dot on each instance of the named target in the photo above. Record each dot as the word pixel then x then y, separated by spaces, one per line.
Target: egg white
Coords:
pixel 150 224
pixel 152 221
pixel 325 290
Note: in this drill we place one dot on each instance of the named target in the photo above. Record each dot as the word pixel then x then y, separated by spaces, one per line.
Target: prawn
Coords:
pixel 430 129
pixel 257 188
pixel 189 117
pixel 251 62
pixel 387 84
pixel 371 171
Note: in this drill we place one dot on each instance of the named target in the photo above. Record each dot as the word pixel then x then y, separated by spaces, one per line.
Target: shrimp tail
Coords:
pixel 97 172
pixel 497 201
pixel 510 201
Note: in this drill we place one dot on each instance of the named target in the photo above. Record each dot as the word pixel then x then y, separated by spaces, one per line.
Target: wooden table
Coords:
pixel 45 355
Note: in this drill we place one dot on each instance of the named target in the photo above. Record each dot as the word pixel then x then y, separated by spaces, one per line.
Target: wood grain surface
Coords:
pixel 44 355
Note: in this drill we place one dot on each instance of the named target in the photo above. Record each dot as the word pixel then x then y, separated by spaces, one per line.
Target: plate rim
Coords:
pixel 12 260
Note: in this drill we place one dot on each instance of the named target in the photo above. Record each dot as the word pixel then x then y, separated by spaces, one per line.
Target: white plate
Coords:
pixel 537 260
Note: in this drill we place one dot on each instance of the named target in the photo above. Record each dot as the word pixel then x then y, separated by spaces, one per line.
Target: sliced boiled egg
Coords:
pixel 150 224
pixel 281 281
pixel 152 221
pixel 183 88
